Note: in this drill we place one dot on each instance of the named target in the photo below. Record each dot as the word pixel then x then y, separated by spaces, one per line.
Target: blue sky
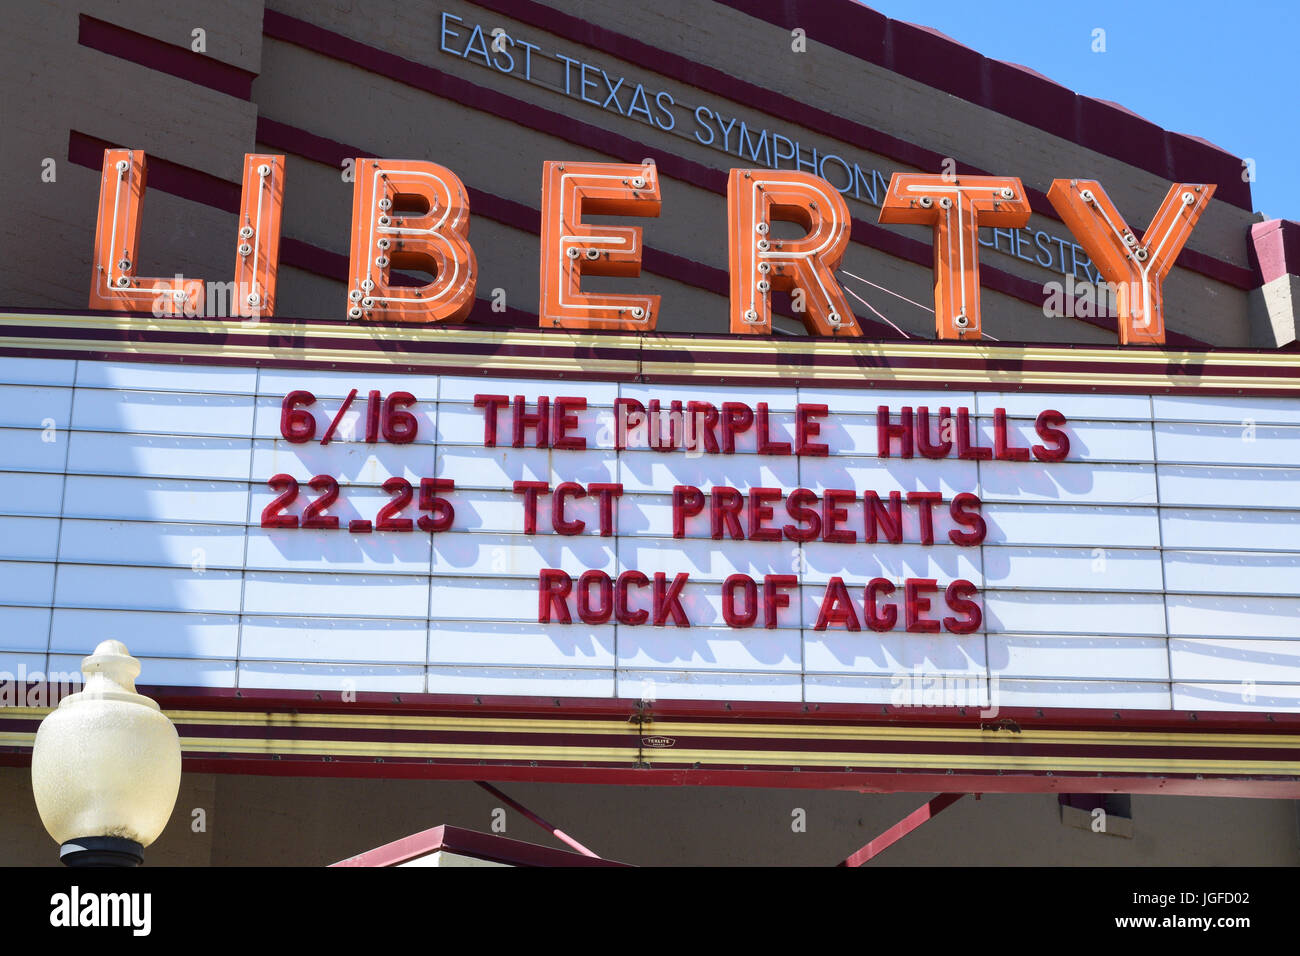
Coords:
pixel 1232 68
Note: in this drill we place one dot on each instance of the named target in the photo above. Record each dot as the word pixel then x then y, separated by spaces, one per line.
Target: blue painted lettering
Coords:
pixel 660 97
pixel 726 132
pixel 754 145
pixel 504 51
pixel 568 64
pixel 588 71
pixel 777 154
pixel 810 166
pixel 843 165
pixel 704 124
pixel 639 104
pixel 528 57
pixel 613 94
pixel 1022 241
pixel 448 32
pixel 479 48
pixel 1040 240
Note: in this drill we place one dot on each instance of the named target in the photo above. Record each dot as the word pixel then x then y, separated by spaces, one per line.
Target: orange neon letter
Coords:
pixel 114 283
pixel 805 266
pixel 257 259
pixel 1135 269
pixel 572 248
pixel 956 207
pixel 410 214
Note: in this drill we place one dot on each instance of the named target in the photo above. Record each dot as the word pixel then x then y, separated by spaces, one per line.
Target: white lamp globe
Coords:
pixel 106 765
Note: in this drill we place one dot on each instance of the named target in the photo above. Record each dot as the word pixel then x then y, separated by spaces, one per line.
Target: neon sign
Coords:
pixel 415 214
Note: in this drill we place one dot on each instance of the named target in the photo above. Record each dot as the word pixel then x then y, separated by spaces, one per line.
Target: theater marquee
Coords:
pixel 379 543
pixel 417 538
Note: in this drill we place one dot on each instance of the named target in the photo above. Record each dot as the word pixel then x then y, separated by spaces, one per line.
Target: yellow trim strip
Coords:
pixel 749 731
pixel 974 762
pixel 738 343
pixel 975 734
pixel 617 367
pixel 1029 353
pixel 979 376
pixel 411 333
pixel 585 364
pixel 643 347
pixel 749 758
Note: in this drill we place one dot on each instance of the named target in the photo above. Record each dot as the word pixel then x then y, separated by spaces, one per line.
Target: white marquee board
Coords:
pixel 1158 566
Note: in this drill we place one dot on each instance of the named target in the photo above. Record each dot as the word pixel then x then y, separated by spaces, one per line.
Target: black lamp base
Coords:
pixel 101 851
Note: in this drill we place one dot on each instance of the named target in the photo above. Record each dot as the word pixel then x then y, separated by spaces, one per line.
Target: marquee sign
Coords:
pixel 416 214
pixel 844 532
pixel 385 543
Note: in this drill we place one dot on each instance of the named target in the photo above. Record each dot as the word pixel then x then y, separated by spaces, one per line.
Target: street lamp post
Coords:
pixel 106 765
